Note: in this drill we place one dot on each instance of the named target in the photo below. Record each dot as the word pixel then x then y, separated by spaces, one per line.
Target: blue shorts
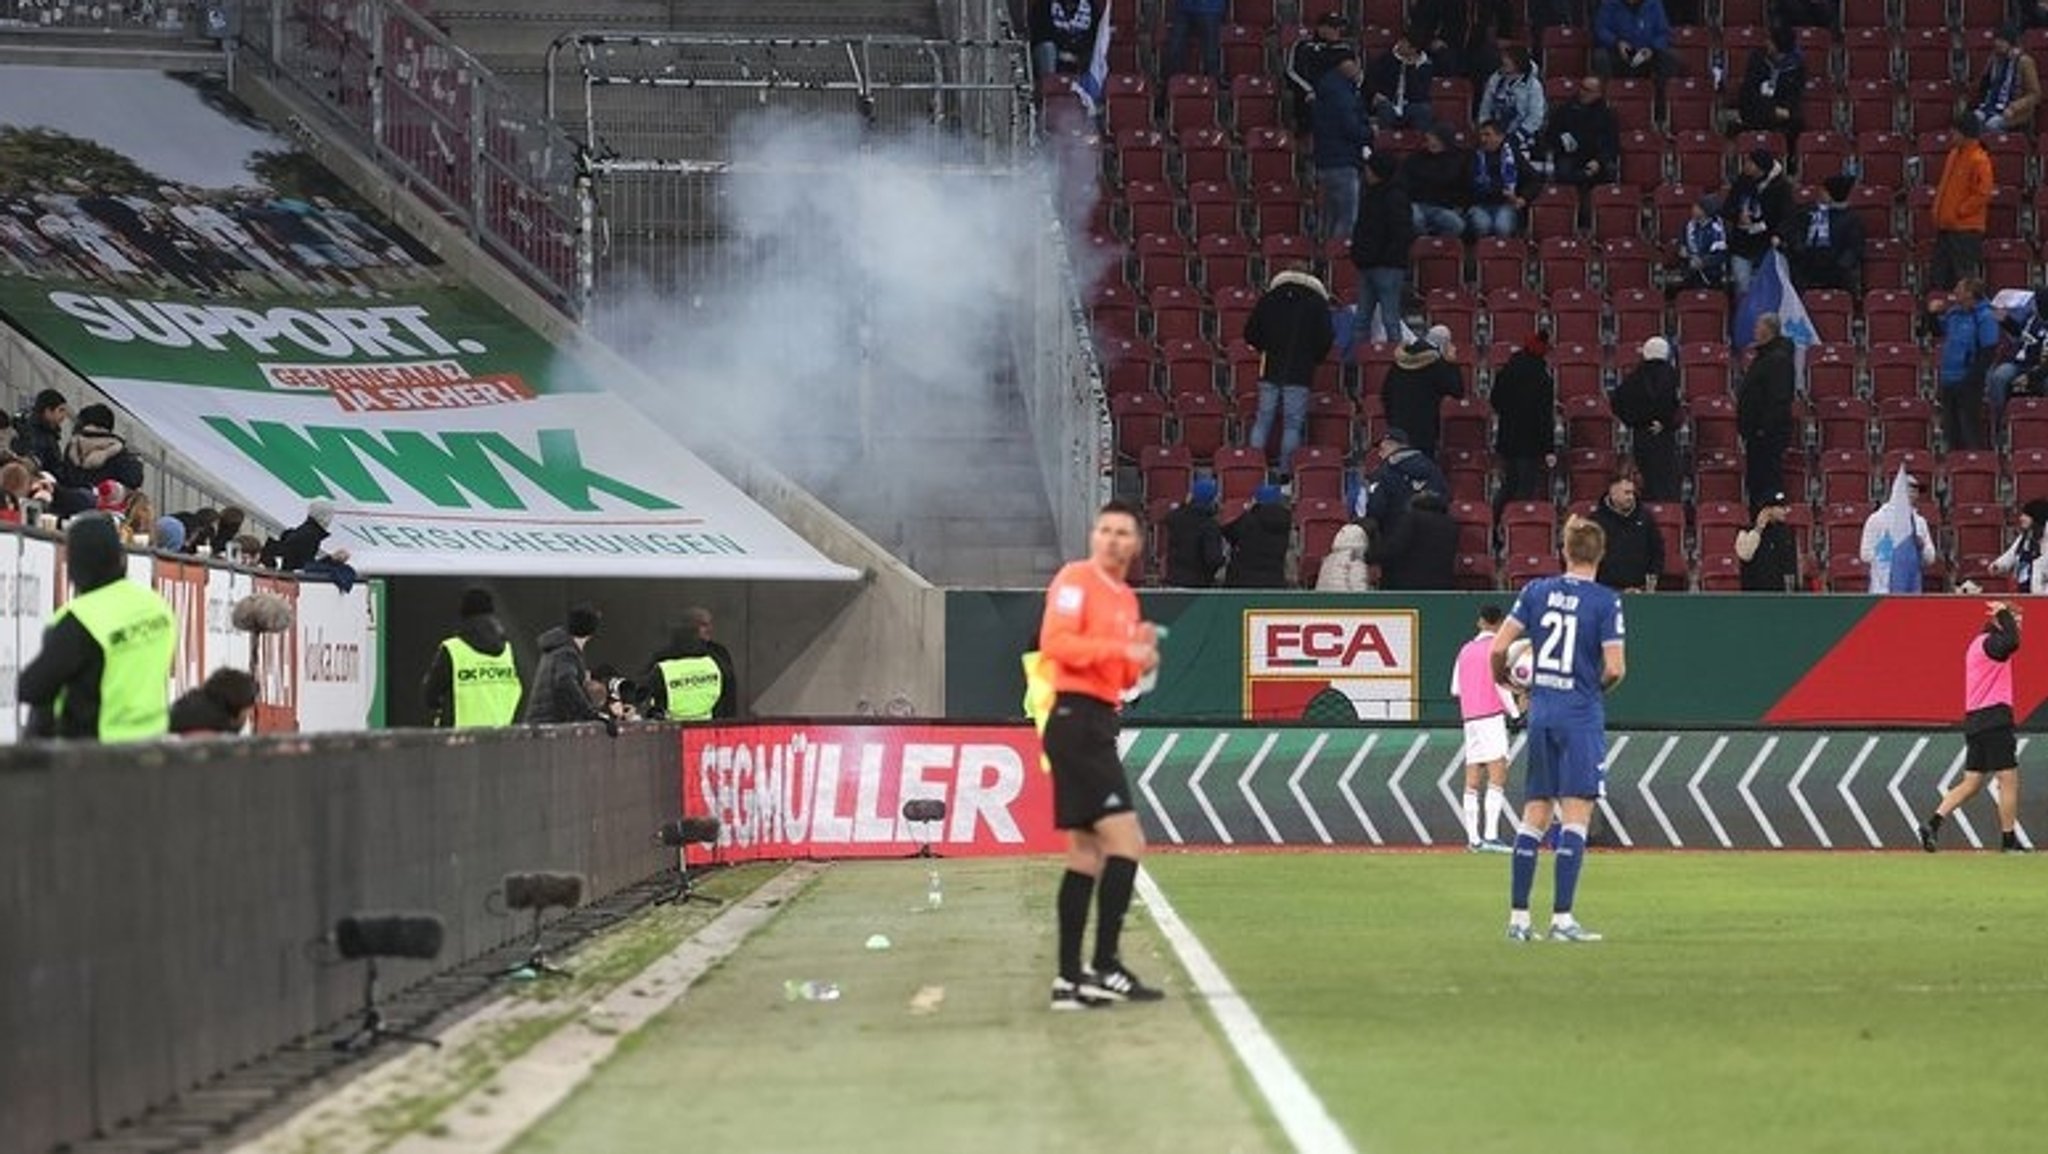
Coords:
pixel 1565 763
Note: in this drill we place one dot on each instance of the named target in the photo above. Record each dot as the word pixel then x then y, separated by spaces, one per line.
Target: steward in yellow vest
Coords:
pixel 104 671
pixel 474 681
pixel 685 681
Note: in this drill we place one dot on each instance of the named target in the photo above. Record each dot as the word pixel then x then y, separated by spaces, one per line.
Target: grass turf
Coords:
pixel 1763 1002
pixel 734 1066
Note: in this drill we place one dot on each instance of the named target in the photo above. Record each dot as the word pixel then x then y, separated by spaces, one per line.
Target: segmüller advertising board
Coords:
pixel 837 791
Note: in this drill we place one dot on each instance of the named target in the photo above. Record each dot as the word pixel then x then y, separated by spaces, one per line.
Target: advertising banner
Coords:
pixel 237 300
pixel 336 652
pixel 1330 664
pixel 837 791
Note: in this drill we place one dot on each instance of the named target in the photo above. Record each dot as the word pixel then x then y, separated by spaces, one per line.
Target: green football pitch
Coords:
pixel 1750 1002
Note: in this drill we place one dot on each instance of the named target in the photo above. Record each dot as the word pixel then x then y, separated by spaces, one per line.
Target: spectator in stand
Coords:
pixel 1291 326
pixel 1969 347
pixel 1259 539
pixel 1635 548
pixel 1646 403
pixel 2021 374
pixel 1342 135
pixel 1774 89
pixel 221 707
pixel 1513 99
pixel 299 549
pixel 95 454
pixel 1421 551
pixel 1398 88
pixel 1315 57
pixel 1962 205
pixel 1524 400
pixel 1584 138
pixel 1702 249
pixel 2009 92
pixel 1632 38
pixel 1345 570
pixel 1062 35
pixel 1896 544
pixel 39 433
pixel 1422 377
pixel 1403 474
pixel 560 694
pixel 1204 18
pixel 2034 13
pixel 1439 182
pixel 138 518
pixel 1825 248
pixel 228 529
pixel 1194 541
pixel 1379 248
pixel 15 479
pixel 169 536
pixel 1763 408
pixel 1758 207
pixel 1503 180
pixel 2023 559
pixel 1768 551
pixel 1464 35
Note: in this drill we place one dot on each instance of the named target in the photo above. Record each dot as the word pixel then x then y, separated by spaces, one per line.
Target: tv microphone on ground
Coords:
pixel 543 891
pixel 389 935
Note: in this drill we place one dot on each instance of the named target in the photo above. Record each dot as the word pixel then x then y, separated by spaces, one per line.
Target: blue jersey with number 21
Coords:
pixel 1569 621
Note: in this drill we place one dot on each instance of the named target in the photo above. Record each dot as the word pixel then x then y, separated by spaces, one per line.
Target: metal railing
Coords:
pixel 1060 378
pixel 439 122
pixel 164 17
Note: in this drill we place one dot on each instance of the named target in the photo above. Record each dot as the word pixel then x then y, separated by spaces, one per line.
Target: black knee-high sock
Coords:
pixel 1076 891
pixel 1119 877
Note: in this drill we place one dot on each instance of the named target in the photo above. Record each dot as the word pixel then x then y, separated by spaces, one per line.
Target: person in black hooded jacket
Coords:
pixel 1259 540
pixel 561 683
pixel 1380 243
pixel 1421 378
pixel 1524 399
pixel 62 685
pixel 1647 402
pixel 1421 552
pixel 481 630
pixel 686 641
pixel 1194 541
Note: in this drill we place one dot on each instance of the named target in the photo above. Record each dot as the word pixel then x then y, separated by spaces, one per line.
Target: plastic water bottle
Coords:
pixel 935 892
pixel 811 991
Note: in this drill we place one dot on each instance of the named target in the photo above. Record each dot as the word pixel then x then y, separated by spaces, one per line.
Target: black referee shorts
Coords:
pixel 1990 750
pixel 1088 782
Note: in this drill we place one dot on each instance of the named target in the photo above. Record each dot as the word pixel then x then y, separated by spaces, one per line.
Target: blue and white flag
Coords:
pixel 1771 291
pixel 1095 80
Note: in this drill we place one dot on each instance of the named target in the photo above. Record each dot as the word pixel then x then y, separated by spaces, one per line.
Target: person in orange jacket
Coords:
pixel 1962 202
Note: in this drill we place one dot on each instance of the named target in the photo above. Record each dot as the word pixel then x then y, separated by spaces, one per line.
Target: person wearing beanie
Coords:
pixel 1524 400
pixel 106 659
pixel 2023 559
pixel 39 433
pixel 1397 87
pixel 1962 205
pixel 561 682
pixel 1646 403
pixel 699 618
pixel 1403 475
pixel 1345 570
pixel 1380 244
pixel 1773 92
pixel 299 548
pixel 1311 59
pixel 1702 258
pixel 2009 92
pixel 473 680
pixel 1291 329
pixel 95 454
pixel 1259 539
pixel 1583 138
pixel 683 681
pixel 1415 388
pixel 1439 180
pixel 1825 248
pixel 1194 540
pixel 169 535
pixel 1758 208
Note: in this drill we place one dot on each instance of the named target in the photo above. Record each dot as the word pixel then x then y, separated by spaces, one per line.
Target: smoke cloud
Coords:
pixel 852 323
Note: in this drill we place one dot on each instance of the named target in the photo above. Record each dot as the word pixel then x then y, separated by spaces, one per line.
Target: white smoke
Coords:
pixel 863 297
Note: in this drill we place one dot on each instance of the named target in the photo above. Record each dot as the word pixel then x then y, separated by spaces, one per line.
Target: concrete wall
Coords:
pixel 803 649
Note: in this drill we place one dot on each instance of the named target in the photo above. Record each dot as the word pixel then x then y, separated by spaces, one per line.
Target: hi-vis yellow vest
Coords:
pixel 1038 698
pixel 486 687
pixel 138 638
pixel 693 686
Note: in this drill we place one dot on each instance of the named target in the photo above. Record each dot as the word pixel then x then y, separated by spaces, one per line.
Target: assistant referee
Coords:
pixel 1094 648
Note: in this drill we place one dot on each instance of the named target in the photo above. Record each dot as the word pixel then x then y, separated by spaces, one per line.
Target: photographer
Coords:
pixel 684 681
pixel 560 684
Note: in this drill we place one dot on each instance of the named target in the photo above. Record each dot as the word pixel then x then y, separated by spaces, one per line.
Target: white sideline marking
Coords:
pixel 1300 1113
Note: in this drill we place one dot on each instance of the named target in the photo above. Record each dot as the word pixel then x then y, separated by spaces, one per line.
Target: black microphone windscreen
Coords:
pixel 688 831
pixel 543 891
pixel 924 809
pixel 389 934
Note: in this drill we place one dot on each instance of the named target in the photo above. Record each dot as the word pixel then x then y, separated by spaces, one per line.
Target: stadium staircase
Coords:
pixel 1201 188
pixel 996 526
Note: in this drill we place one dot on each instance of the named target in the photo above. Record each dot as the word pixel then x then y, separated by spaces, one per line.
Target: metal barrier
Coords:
pixel 439 122
pixel 163 907
pixel 167 17
pixel 1060 379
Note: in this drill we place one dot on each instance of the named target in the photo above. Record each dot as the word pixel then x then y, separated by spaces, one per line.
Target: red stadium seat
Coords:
pixel 2026 422
pixel 1891 316
pixel 1705 369
pixel 1270 157
pixel 1512 314
pixel 1476 572
pixel 1439 262
pixel 1895 370
pixel 1162 260
pixel 1627 262
pixel 1281 210
pixel 1907 424
pixel 2029 471
pixel 1502 261
pixel 1529 528
pixel 1830 372
pixel 1588 422
pixel 1930 107
pixel 1642 159
pixel 1712 416
pixel 1581 371
pixel 1575 315
pixel 1140 420
pixel 1702 315
pixel 1129 364
pixel 1717 476
pixel 1212 208
pixel 1883 153
pixel 1176 313
pixel 1633 101
pixel 1167 471
pixel 1465 424
pixel 1190 366
pixel 1455 309
pixel 1617 211
pixel 1141 155
pixel 1925 55
pixel 1885 262
pixel 1873 102
pixel 1638 315
pixel 1832 312
pixel 1689 103
pixel 1254 99
pixel 1701 160
pixel 1565 262
pixel 1970 477
pixel 1191 102
pixel 1226 260
pixel 1844 424
pixel 1207 154
pixel 1240 470
pixel 1332 421
pixel 1554 212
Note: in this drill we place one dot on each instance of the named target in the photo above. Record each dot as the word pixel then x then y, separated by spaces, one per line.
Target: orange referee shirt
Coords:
pixel 1090 619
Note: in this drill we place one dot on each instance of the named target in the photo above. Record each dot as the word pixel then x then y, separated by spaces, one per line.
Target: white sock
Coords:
pixel 1496 809
pixel 1519 919
pixel 1471 815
